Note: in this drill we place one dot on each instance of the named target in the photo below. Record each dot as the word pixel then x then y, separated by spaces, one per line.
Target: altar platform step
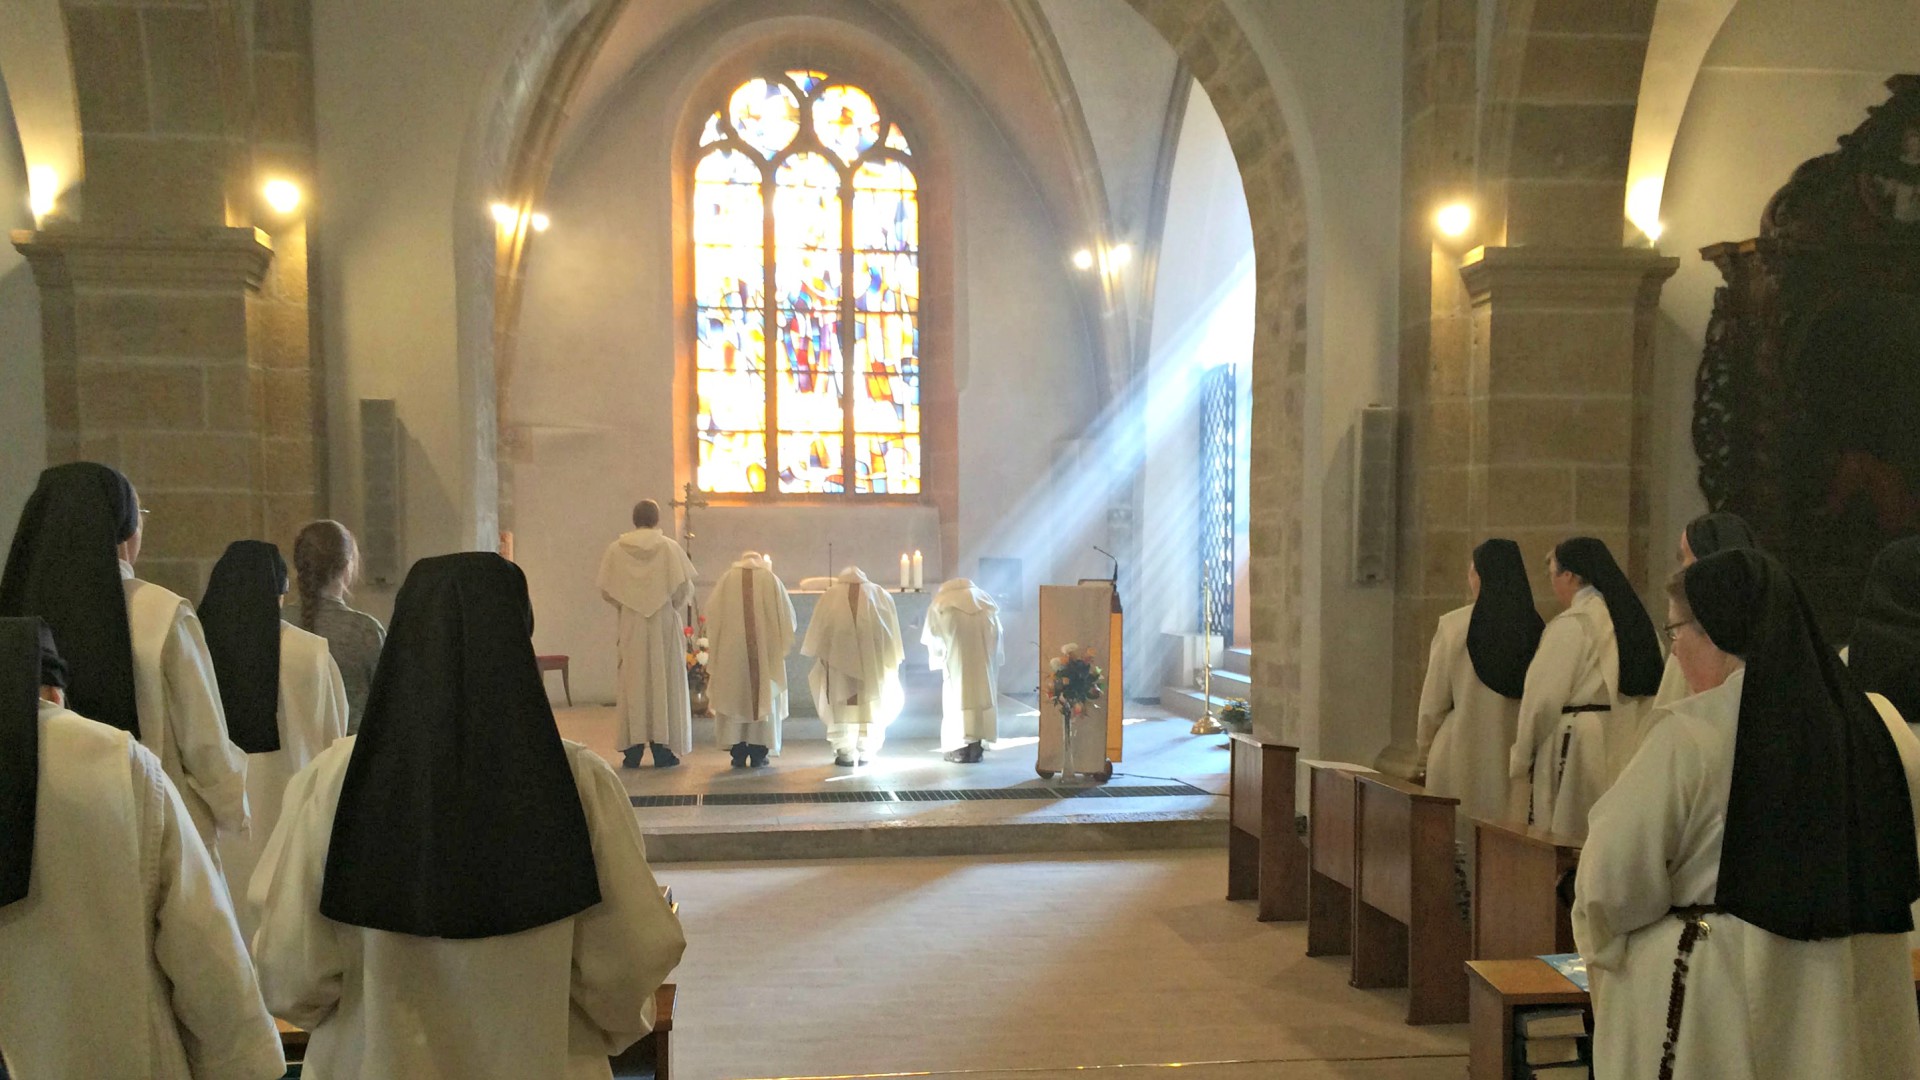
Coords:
pixel 1237 661
pixel 1189 703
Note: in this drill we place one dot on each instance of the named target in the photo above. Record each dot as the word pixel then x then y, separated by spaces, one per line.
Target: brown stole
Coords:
pixel 753 639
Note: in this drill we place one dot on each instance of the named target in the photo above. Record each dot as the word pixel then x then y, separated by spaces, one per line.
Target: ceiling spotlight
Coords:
pixel 1083 259
pixel 1454 219
pixel 539 221
pixel 1119 255
pixel 43 190
pixel 1643 205
pixel 504 215
pixel 282 195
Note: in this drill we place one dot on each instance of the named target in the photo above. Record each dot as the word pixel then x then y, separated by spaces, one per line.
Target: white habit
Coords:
pixel 313 713
pixel 854 639
pixel 553 1001
pixel 646 576
pixel 1466 732
pixel 1570 759
pixel 124 961
pixel 181 718
pixel 749 631
pixel 1757 1006
pixel 1907 742
pixel 962 636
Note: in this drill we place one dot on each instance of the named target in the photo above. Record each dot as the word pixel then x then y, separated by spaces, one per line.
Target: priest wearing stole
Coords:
pixel 749 630
pixel 962 637
pixel 1476 672
pixel 649 580
pixel 119 956
pixel 456 893
pixel 1702 537
pixel 1580 712
pixel 136 652
pixel 284 697
pixel 854 639
pixel 1743 896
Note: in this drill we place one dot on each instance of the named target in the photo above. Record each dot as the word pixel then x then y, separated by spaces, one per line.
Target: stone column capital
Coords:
pixel 216 258
pixel 1566 277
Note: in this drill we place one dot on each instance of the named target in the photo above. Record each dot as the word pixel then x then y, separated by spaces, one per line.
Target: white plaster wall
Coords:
pixel 1781 82
pixel 1337 68
pixel 1202 318
pixel 591 385
pixel 23 422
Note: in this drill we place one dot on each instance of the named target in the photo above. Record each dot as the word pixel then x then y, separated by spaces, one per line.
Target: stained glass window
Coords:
pixel 806 221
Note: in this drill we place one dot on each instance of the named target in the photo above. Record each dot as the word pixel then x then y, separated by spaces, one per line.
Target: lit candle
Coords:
pixel 919 572
pixel 906 572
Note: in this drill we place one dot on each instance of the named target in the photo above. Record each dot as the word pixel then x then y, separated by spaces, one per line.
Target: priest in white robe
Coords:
pixel 1583 707
pixel 137 651
pixel 649 581
pixel 854 639
pixel 750 628
pixel 1743 898
pixel 962 637
pixel 456 893
pixel 1476 673
pixel 1702 537
pixel 119 956
pixel 284 698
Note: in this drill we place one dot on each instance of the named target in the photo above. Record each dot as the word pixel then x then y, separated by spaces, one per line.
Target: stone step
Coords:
pixel 1189 704
pixel 1233 684
pixel 1239 661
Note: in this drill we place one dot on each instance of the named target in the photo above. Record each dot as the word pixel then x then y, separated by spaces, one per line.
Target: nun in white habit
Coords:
pixel 749 631
pixel 455 892
pixel 854 639
pixel 1743 896
pixel 283 695
pixel 1476 672
pixel 137 653
pixel 119 956
pixel 962 637
pixel 1583 706
pixel 1702 537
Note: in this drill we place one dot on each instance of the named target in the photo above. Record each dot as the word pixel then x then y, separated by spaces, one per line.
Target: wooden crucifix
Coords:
pixel 690 500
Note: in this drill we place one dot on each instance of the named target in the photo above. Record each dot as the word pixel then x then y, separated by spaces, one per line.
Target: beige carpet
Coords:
pixel 1016 968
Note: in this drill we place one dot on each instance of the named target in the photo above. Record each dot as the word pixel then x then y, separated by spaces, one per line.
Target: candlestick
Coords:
pixel 919 572
pixel 906 572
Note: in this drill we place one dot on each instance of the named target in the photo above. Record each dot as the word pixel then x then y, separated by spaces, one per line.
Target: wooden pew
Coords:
pixel 654 1050
pixel 1407 926
pixel 1500 987
pixel 1516 911
pixel 1266 859
pixel 1330 856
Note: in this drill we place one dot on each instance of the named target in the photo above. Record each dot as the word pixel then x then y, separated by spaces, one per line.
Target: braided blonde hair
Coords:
pixel 323 554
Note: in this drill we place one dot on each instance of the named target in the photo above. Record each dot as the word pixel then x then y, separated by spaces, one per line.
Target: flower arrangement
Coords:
pixel 1076 681
pixel 697 656
pixel 1236 716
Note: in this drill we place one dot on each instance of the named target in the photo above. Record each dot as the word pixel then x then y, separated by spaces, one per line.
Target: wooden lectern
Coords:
pixel 1086 614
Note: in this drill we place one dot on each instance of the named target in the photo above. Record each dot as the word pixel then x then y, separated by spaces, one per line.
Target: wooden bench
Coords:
pixel 1266 859
pixel 1330 828
pixel 1516 909
pixel 654 1050
pixel 1408 929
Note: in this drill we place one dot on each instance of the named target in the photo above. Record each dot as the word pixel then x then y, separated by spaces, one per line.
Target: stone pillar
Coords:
pixel 147 369
pixel 1557 396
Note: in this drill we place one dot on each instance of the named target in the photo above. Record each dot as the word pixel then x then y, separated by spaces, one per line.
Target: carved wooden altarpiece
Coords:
pixel 1807 403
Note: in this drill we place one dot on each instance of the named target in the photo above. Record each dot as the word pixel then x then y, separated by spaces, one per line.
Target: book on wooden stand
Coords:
pixel 1551 1043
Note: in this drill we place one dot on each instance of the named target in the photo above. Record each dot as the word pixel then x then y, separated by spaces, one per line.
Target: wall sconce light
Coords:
pixel 539 221
pixel 505 216
pixel 1083 259
pixel 1643 206
pixel 1119 255
pixel 43 190
pixel 1453 220
pixel 283 195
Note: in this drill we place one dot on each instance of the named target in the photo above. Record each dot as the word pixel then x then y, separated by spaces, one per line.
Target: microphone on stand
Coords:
pixel 1116 563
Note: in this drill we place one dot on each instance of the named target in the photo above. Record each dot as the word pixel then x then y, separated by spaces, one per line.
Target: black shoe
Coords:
pixel 739 752
pixel 970 754
pixel 663 757
pixel 757 756
pixel 630 759
pixel 843 759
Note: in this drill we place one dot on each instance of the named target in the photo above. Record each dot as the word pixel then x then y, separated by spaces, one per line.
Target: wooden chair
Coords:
pixel 557 662
pixel 1266 859
pixel 1516 910
pixel 1408 929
